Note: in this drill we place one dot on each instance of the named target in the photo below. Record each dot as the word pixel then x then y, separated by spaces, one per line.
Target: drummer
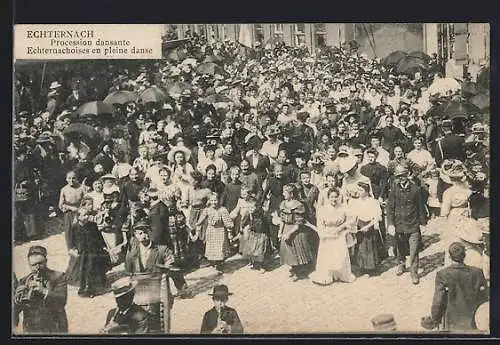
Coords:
pixel 146 256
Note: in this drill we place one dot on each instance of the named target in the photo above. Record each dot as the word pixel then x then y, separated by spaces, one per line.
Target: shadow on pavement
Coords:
pixel 431 262
pixel 46 227
pixel 429 240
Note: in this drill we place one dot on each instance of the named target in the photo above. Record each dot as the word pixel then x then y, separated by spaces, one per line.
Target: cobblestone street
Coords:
pixel 270 303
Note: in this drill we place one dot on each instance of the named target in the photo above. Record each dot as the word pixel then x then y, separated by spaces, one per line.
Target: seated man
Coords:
pixel 460 290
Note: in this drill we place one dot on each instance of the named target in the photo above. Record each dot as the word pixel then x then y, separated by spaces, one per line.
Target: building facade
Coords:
pixel 456 44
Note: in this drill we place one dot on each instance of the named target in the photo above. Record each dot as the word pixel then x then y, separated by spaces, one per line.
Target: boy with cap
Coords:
pixel 221 319
pixel 42 296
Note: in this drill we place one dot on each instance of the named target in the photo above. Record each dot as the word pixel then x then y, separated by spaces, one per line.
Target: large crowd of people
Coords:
pixel 330 161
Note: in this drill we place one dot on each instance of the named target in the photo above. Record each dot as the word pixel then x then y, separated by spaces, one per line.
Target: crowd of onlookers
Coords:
pixel 333 161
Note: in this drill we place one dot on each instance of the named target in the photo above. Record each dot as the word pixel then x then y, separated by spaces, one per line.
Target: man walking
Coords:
pixel 406 218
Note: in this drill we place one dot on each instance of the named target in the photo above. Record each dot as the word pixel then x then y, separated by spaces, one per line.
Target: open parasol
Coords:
pixel 482 101
pixel 176 88
pixel 176 55
pixel 411 65
pixel 455 109
pixel 153 94
pixel 95 108
pixel 443 85
pixel 213 58
pixel 82 129
pixel 393 58
pixel 217 98
pixel 419 55
pixel 121 97
pixel 211 68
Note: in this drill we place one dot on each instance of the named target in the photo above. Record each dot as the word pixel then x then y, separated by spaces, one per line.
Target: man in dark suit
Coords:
pixel 450 146
pixel 259 162
pixel 105 157
pixel 42 296
pixel 406 217
pixel 460 290
pixel 221 319
pixel 128 317
pixel 158 216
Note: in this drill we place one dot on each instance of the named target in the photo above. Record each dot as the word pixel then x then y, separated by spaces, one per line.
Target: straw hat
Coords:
pixel 348 163
pixel 123 286
pixel 175 149
pixel 54 85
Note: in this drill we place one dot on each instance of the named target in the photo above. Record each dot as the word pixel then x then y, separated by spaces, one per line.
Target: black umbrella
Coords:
pixel 482 101
pixel 153 94
pixel 462 109
pixel 95 108
pixel 176 55
pixel 411 65
pixel 420 55
pixel 82 129
pixel 470 88
pixel 393 58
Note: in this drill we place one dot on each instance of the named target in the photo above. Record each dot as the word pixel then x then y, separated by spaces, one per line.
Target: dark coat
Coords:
pixel 231 194
pixel 133 262
pixel 230 316
pixel 49 316
pixel 253 183
pixel 406 208
pixel 459 291
pixel 135 320
pixel 106 161
pixel 378 176
pixel 262 167
pixel 451 146
pixel 158 215
pixel 391 137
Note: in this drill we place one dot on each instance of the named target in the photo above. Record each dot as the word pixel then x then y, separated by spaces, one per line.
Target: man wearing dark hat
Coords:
pixel 221 319
pixel 406 217
pixel 460 290
pixel 127 317
pixel 42 296
pixel 450 146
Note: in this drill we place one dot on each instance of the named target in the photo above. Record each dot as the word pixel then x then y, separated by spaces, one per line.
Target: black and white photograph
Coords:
pixel 259 178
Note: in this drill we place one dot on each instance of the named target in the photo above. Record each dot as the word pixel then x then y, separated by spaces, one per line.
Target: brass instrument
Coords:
pixel 26 294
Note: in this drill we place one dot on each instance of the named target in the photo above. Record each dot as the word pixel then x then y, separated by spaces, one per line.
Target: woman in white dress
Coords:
pixel 333 262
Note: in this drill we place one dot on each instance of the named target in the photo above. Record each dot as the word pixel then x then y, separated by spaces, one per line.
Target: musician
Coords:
pixel 221 319
pixel 42 296
pixel 128 317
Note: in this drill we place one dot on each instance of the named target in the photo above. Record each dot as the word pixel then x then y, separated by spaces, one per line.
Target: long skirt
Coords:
pixel 368 250
pixel 333 262
pixel 296 250
pixel 255 246
pixel 217 244
pixel 68 219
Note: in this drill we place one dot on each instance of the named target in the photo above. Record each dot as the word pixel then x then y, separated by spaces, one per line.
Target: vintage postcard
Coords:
pixel 259 178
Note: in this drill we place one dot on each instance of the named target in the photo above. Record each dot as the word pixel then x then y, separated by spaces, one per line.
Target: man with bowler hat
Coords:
pixel 42 296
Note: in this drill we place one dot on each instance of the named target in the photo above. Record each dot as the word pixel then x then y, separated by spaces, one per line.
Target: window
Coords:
pixel 299 34
pixel 259 32
pixel 320 34
pixel 278 28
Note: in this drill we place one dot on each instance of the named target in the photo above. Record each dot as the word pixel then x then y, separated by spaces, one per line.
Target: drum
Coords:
pixel 482 317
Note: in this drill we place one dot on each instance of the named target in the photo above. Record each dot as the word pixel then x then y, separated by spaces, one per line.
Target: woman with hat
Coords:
pixel 333 262
pixel 455 207
pixel 348 167
pixel 270 147
pixel 178 157
pixel 221 319
pixel 211 159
